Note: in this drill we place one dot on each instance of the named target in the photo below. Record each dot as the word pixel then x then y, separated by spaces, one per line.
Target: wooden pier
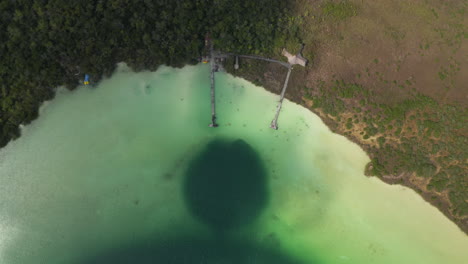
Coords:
pixel 213 69
pixel 274 122
pixel 285 64
pixel 216 56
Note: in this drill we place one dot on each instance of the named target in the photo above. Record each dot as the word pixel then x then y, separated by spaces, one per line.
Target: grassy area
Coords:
pixel 339 10
pixel 392 78
pixel 416 135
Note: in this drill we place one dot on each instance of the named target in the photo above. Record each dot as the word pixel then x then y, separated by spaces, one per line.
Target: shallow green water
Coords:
pixel 130 172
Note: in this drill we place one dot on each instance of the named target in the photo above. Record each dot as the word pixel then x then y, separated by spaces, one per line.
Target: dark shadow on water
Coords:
pixel 225 188
pixel 193 251
pixel 226 185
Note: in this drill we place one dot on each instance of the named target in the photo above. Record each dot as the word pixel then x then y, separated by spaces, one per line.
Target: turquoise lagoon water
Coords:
pixel 130 172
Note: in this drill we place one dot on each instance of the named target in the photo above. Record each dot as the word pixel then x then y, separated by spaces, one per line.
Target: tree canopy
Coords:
pixel 45 44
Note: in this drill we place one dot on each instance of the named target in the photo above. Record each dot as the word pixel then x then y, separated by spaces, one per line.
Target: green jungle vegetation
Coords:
pixel 413 132
pixel 46 44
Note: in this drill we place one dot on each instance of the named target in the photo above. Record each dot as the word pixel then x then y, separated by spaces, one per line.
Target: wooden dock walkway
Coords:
pixel 274 122
pixel 213 98
pixel 215 56
pixel 285 64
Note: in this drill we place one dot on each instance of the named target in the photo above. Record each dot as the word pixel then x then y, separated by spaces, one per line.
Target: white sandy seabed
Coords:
pixel 92 173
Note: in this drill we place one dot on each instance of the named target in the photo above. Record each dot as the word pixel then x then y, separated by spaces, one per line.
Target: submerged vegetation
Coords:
pixel 51 43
